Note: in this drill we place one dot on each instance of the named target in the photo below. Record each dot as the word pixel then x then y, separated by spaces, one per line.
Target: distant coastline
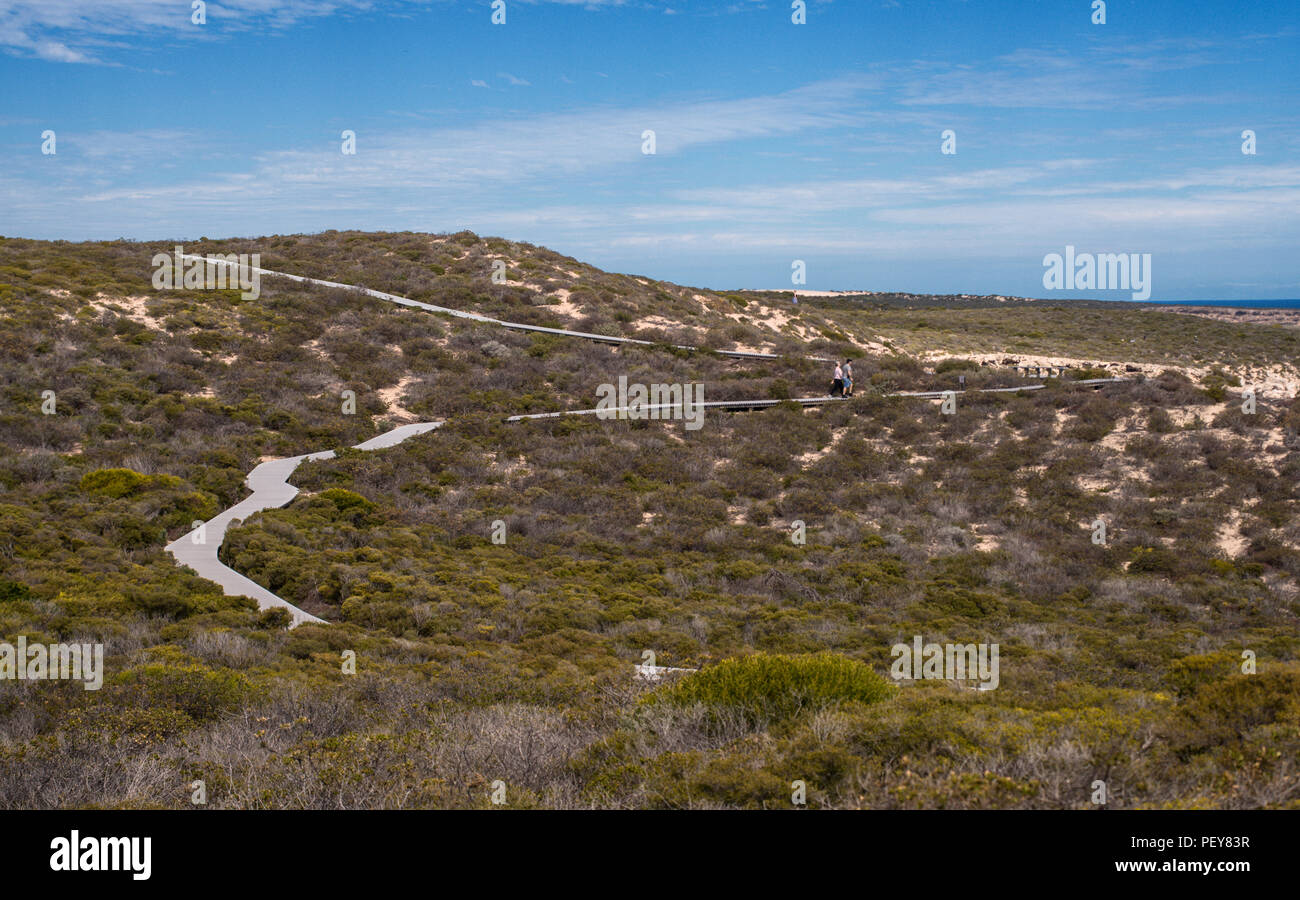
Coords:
pixel 1259 312
pixel 1233 304
pixel 1285 304
pixel 1283 312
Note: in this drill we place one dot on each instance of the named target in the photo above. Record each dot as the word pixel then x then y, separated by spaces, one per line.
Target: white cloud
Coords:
pixel 80 30
pixel 539 147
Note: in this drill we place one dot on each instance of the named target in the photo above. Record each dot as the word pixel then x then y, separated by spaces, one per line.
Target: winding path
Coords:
pixel 269 481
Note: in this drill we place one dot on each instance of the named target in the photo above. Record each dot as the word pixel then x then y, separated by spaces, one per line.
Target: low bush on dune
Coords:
pixel 776 687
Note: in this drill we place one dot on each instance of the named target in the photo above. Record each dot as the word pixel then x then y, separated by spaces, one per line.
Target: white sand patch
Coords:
pixel 1113 442
pixel 133 308
pixel 1271 383
pixel 1192 416
pixel 391 398
pixel 510 467
pixel 1277 382
pixel 787 322
pixel 984 542
pixel 776 319
pixel 807 459
pixel 1229 538
pixel 565 307
pixel 657 322
pixel 1093 483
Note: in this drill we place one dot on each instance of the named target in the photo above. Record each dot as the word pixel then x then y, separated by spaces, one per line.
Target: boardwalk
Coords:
pixel 269 483
pixel 271 489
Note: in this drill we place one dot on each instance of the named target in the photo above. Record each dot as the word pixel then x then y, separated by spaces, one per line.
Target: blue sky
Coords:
pixel 775 141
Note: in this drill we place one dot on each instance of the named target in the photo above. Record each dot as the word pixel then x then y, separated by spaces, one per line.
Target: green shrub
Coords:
pixel 113 483
pixel 1225 712
pixel 1154 561
pixel 201 693
pixel 1188 674
pixel 13 591
pixel 346 501
pixel 776 687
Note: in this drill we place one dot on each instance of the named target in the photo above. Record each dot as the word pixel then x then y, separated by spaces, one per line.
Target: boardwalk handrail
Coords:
pixel 489 320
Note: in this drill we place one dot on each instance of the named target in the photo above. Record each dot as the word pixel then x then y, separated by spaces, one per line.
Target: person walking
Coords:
pixel 837 385
pixel 848 378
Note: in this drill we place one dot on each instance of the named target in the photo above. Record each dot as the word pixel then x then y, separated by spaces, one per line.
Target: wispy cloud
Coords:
pixel 543 146
pixel 81 31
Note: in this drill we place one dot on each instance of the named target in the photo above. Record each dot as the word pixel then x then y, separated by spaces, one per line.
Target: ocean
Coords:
pixel 1234 304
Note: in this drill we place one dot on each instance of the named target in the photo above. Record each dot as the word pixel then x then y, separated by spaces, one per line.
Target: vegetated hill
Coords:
pixel 479 661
